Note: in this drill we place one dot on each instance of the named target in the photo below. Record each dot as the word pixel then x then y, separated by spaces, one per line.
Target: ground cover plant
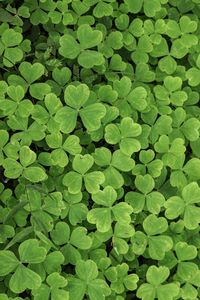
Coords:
pixel 99 149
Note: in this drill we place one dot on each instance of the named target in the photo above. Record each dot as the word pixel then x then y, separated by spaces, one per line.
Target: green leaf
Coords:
pixel 39 90
pixel 187 25
pixel 93 180
pixel 150 9
pixel 31 72
pixel 73 181
pixel 88 37
pixel 170 289
pixel 193 76
pixel 31 252
pixel 107 94
pixel 26 156
pixel 167 64
pixel 187 270
pixel 86 270
pixel 145 183
pixel 146 156
pixel 122 212
pixel 77 288
pixel 101 217
pixel 174 207
pixel 60 235
pixel 113 178
pixel 55 280
pixel 172 83
pixel 11 38
pixel 12 56
pixel 155 201
pixel 82 163
pixel 134 7
pixel 12 168
pixel 15 209
pixel 157 275
pixel 185 252
pixel 20 236
pixel 76 96
pixel 16 93
pixel 8 261
pixel 130 282
pixel 146 291
pixel 190 129
pixel 66 113
pixel 122 162
pixel 117 63
pixel 69 47
pixel 136 200
pixel 191 193
pixel 53 262
pixel 98 288
pixel 112 134
pixel 102 156
pixel 137 98
pixel 173 29
pixel 129 129
pixel 54 140
pixel 107 197
pixel 130 145
pixel 155 225
pixel 23 279
pixel 102 9
pixel 4 138
pixel 80 239
pixel 159 245
pixel 34 174
pixel 191 217
pixel 72 145
pixel 88 59
pixel 178 49
pixel 92 115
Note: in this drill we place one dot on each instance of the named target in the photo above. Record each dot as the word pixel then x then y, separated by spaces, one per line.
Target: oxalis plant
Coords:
pixel 99 149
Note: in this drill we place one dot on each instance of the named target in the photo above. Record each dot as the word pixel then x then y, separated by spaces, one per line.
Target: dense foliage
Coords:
pixel 99 149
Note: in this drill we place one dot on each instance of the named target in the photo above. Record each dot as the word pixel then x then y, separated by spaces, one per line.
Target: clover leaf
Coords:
pixel 75 209
pixel 185 206
pixel 155 288
pixel 114 163
pixel 122 231
pixel 27 157
pixel 59 156
pixel 104 216
pixel 124 134
pixel 78 237
pixel 158 244
pixel 55 286
pixel 46 115
pixel 87 282
pixel 31 73
pixel 23 278
pixel 149 10
pixel 88 38
pixel 4 140
pixel 81 165
pixel 90 115
pixel 15 102
pixel 10 40
pixel 152 201
pixel 171 92
pixel 185 252
pixel 120 279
